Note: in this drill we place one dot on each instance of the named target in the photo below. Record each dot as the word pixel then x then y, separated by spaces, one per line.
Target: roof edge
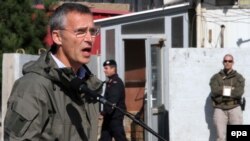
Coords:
pixel 143 12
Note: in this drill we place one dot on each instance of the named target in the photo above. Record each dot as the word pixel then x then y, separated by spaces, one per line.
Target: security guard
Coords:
pixel 112 126
pixel 227 88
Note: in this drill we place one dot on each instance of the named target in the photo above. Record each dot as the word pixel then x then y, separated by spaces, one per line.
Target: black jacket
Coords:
pixel 115 93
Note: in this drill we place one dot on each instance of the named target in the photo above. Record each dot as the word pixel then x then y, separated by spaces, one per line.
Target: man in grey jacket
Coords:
pixel 42 105
pixel 227 88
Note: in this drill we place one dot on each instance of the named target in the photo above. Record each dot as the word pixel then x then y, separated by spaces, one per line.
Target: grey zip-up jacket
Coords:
pixel 43 107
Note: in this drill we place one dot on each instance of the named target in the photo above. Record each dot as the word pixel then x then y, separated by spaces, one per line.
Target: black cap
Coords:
pixel 109 62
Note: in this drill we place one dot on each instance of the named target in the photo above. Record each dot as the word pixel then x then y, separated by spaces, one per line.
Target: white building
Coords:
pixel 160 57
pixel 223 24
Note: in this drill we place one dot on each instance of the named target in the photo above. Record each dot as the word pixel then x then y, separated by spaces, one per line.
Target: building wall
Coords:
pixel 236 22
pixel 190 107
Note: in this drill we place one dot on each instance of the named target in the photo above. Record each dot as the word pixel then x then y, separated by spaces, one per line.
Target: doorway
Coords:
pixel 135 79
pixel 143 59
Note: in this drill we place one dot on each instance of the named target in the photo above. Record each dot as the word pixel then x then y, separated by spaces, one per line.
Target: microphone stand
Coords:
pixel 77 84
pixel 132 117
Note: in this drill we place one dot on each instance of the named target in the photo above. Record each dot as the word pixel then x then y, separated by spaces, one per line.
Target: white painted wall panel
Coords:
pixel 236 22
pixel 190 107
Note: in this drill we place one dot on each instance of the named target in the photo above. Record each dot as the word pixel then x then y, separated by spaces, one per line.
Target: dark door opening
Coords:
pixel 135 78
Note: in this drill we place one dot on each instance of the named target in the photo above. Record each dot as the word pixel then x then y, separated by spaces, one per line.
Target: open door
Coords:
pixel 144 84
pixel 135 79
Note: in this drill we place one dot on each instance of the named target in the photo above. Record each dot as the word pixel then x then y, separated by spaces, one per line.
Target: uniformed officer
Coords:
pixel 112 126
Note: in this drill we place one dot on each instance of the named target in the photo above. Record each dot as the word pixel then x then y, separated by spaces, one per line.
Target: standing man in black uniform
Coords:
pixel 112 126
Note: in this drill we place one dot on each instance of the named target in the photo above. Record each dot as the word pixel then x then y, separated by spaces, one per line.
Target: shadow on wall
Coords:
pixel 209 118
pixel 137 132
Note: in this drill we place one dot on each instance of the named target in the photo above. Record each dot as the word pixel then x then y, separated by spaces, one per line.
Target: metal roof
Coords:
pixel 142 15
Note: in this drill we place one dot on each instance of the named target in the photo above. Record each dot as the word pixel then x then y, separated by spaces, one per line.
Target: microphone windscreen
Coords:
pixel 75 83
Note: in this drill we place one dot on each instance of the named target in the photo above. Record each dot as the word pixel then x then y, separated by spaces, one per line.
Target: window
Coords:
pixel 110 44
pixel 154 26
pixel 177 32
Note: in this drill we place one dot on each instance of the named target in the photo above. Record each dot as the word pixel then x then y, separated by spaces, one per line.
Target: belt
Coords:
pixel 233 102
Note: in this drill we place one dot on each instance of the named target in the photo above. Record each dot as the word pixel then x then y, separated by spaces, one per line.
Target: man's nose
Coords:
pixel 88 36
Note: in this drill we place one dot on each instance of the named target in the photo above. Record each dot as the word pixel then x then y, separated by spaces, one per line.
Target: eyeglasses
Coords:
pixel 228 61
pixel 81 32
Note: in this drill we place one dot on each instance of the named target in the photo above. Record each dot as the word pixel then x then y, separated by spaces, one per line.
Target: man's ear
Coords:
pixel 56 37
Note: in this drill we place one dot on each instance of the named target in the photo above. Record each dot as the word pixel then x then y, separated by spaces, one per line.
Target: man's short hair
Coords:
pixel 57 19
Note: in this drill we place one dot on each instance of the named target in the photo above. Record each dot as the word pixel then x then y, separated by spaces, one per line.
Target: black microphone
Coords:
pixel 81 87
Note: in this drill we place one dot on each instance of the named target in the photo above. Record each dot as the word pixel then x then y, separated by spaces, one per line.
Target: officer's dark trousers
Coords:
pixel 112 128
